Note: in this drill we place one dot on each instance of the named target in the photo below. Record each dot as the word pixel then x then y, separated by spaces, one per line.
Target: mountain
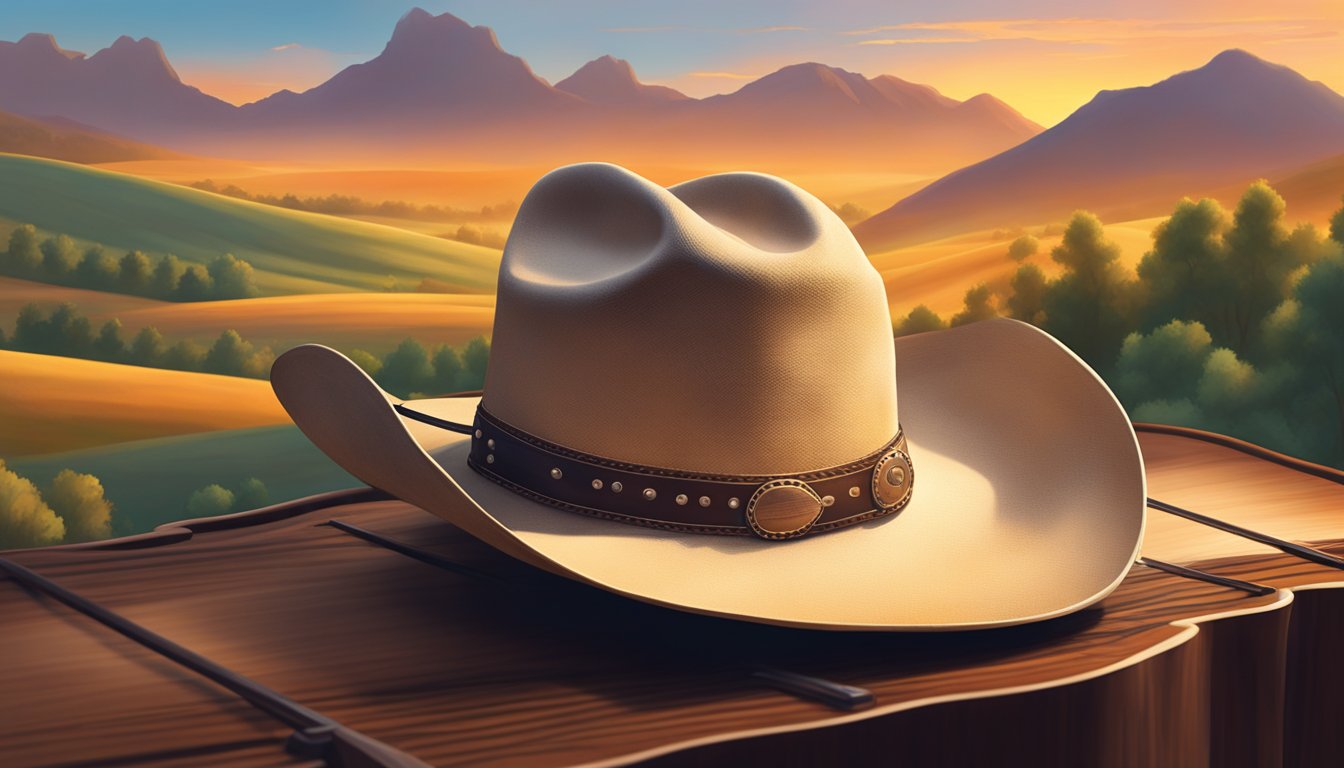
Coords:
pixel 433 67
pixel 612 81
pixel 128 88
pixel 61 139
pixel 444 91
pixel 1133 153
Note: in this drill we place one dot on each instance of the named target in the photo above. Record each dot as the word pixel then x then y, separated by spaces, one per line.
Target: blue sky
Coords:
pixel 1046 57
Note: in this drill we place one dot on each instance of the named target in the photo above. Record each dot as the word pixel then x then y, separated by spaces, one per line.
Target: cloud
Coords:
pixel 779 28
pixel 1100 31
pixel 285 47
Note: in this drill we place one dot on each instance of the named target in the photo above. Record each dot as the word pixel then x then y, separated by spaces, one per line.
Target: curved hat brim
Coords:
pixel 1028 502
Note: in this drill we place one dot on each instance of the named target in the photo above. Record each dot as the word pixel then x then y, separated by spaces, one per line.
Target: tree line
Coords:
pixel 1232 323
pixel 65 332
pixel 349 205
pixel 412 368
pixel 57 260
pixel 74 508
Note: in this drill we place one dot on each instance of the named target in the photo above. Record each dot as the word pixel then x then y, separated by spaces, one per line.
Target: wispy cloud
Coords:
pixel 779 28
pixel 1099 31
pixel 285 47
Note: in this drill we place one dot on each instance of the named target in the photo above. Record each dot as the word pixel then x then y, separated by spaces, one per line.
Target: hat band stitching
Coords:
pixel 499 452
pixel 647 469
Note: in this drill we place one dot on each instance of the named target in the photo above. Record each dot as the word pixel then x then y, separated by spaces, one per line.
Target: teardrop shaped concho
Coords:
pixel 783 509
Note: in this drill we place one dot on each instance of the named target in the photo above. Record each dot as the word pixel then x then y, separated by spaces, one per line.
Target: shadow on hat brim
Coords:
pixel 1028 501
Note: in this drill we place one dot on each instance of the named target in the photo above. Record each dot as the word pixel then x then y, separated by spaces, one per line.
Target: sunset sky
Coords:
pixel 1044 57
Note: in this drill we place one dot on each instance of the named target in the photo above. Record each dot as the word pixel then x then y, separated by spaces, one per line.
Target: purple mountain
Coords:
pixel 433 67
pixel 127 88
pixel 612 81
pixel 1133 152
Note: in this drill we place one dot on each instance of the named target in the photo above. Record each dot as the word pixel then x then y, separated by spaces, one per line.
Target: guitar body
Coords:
pixel 449 669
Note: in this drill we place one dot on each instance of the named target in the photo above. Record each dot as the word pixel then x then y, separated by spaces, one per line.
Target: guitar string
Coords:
pixel 313 736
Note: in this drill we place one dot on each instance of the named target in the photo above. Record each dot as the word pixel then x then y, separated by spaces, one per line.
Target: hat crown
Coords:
pixel 728 325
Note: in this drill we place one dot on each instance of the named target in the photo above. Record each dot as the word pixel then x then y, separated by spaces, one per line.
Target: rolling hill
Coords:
pixel 62 139
pixel 1131 153
pixel 375 322
pixel 292 251
pixel 52 404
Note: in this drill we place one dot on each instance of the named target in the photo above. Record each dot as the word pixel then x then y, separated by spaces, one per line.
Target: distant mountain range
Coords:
pixel 443 88
pixel 1133 153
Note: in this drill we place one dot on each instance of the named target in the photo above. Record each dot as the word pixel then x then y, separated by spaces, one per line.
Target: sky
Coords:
pixel 1044 57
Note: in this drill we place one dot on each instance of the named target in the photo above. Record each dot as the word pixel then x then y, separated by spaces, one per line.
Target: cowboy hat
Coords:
pixel 691 400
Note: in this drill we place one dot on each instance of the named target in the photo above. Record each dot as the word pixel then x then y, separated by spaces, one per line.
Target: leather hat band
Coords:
pixel 768 506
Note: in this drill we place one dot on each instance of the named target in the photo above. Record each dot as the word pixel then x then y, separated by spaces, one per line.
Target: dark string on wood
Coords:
pixel 1212 578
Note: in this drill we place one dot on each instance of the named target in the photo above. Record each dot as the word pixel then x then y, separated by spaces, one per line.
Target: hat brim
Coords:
pixel 1029 500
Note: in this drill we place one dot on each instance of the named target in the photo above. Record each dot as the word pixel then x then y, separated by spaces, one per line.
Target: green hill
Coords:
pixel 149 481
pixel 292 251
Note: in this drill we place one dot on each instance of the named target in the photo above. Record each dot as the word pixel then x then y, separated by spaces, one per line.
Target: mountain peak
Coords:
pixel 419 25
pixel 609 80
pixel 143 57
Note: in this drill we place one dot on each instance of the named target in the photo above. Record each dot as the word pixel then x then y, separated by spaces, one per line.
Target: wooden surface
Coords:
pixel 536 671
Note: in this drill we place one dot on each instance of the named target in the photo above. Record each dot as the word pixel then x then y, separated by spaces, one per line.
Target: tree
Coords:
pixel 1316 334
pixel 184 356
pixel 136 275
pixel 194 285
pixel 30 330
pixel 366 361
pixel 24 257
pixel 81 503
pixel 70 332
pixel 1023 248
pixel 978 306
pixel 210 501
pixel 920 320
pixel 25 519
pixel 475 359
pixel 406 369
pixel 148 347
pixel 1027 298
pixel 1166 364
pixel 233 278
pixel 59 256
pixel 229 354
pixel 1185 274
pixel 109 344
pixel 96 269
pixel 251 495
pixel 1337 226
pixel 1258 262
pixel 447 369
pixel 167 275
pixel 1086 308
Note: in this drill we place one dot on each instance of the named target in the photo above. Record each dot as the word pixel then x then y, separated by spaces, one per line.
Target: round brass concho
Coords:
pixel 893 480
pixel 783 509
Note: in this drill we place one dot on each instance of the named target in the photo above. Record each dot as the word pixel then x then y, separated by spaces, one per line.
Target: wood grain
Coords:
pixel 539 671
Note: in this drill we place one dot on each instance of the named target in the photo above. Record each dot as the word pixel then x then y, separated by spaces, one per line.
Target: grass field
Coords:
pixel 52 404
pixel 373 321
pixel 292 251
pixel 149 481
pixel 15 293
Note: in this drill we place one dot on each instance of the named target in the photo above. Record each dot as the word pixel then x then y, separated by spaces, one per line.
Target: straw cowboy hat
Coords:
pixel 692 401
